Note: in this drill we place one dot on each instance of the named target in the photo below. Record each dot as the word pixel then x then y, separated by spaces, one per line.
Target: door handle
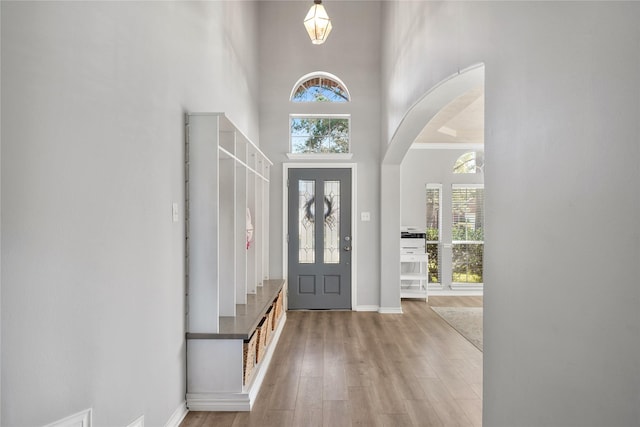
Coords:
pixel 347 248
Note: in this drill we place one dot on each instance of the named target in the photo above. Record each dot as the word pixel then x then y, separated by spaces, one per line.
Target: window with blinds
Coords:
pixel 467 205
pixel 434 231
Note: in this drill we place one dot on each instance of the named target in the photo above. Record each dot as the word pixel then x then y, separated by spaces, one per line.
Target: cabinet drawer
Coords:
pixel 413 257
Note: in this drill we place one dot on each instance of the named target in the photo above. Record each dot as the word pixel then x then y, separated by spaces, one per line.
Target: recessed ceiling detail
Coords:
pixel 459 122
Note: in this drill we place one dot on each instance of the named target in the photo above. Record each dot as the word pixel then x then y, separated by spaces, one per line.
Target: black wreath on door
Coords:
pixel 309 211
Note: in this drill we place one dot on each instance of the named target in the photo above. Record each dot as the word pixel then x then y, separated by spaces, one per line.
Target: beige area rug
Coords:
pixel 466 320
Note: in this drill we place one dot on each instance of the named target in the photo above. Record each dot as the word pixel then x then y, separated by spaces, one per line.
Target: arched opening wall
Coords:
pixel 415 120
pixel 562 246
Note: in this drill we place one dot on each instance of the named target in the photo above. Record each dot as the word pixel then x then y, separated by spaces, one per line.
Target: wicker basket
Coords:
pixel 275 312
pixel 261 344
pixel 269 316
pixel 249 357
pixel 279 304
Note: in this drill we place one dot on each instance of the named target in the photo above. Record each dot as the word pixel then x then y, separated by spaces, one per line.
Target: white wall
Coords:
pixel 562 244
pixel 352 52
pixel 0 221
pixel 430 166
pixel 93 102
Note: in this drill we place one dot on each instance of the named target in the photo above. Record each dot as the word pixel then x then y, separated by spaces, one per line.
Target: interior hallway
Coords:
pixel 344 368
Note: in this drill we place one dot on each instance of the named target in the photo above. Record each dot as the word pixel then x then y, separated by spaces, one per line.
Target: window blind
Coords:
pixel 467 205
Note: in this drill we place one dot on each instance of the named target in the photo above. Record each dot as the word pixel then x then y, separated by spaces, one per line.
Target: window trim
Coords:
pixel 319 156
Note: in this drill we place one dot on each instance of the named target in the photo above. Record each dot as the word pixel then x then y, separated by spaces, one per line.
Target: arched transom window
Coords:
pixel 320 87
pixel 323 132
pixel 471 162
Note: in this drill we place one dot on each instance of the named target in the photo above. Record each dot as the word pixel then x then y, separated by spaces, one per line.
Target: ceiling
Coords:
pixel 460 122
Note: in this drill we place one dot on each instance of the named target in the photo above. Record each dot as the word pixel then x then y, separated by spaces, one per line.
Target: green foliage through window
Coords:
pixel 472 162
pixel 434 196
pixel 319 134
pixel 434 262
pixel 467 263
pixel 433 234
pixel 467 204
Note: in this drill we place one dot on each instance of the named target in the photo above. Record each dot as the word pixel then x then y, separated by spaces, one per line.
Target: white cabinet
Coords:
pixel 414 276
pixel 228 287
pixel 414 265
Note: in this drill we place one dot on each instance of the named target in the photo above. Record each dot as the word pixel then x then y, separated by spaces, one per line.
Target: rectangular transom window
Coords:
pixel 319 133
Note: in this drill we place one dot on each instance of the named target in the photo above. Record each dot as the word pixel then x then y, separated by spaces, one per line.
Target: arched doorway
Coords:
pixel 411 125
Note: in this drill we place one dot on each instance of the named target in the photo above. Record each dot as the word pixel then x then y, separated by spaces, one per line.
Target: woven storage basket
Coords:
pixel 279 304
pixel 269 316
pixel 274 318
pixel 249 357
pixel 261 344
pixel 275 313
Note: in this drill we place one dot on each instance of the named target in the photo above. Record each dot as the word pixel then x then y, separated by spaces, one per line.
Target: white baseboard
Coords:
pixel 455 292
pixel 367 308
pixel 390 310
pixel 178 415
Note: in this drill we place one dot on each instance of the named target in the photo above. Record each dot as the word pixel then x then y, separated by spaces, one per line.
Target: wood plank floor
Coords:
pixel 343 368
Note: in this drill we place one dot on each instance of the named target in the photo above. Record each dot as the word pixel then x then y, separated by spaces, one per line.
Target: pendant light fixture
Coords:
pixel 317 23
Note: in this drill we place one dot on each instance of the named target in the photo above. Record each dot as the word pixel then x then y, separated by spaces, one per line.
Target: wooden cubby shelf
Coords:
pixel 232 326
pixel 245 322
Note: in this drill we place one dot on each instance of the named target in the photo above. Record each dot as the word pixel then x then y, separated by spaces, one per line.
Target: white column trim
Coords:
pixel 390 310
pixel 367 308
pixel 177 416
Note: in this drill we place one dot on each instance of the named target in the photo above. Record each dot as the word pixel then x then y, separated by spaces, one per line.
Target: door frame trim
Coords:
pixel 354 227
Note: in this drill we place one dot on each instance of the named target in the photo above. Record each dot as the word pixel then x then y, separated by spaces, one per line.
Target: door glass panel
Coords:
pixel 306 222
pixel 332 222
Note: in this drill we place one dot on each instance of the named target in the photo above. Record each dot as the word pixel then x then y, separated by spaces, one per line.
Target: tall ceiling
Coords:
pixel 459 122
